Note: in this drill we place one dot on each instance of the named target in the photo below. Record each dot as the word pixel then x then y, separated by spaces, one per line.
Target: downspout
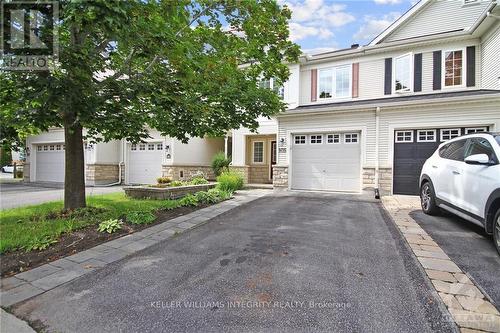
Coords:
pixel 377 125
pixel 119 169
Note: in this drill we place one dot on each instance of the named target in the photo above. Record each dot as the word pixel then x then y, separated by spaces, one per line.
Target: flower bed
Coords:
pixel 162 193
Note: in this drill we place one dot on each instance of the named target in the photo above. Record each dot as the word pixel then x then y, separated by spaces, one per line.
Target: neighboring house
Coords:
pixel 368 117
pixel 121 161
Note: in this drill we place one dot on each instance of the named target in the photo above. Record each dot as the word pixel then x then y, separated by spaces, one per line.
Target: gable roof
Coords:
pixel 402 19
pixel 434 17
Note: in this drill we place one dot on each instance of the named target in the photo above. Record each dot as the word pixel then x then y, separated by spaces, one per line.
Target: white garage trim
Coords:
pixel 362 130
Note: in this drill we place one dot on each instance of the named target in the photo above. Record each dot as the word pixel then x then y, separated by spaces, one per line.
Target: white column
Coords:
pixel 225 145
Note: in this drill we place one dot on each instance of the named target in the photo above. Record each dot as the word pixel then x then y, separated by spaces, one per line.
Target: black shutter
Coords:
pixel 471 66
pixel 417 72
pixel 388 76
pixel 436 70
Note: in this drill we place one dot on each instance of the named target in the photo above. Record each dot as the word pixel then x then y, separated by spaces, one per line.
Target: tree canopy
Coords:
pixel 186 68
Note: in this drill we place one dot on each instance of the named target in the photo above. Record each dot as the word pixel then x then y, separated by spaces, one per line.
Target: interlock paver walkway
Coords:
pixel 468 307
pixel 40 279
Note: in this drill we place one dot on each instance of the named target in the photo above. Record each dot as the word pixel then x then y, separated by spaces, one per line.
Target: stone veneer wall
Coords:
pixel 280 177
pixel 385 179
pixel 100 174
pixel 259 174
pixel 188 171
pixel 26 172
pixel 242 170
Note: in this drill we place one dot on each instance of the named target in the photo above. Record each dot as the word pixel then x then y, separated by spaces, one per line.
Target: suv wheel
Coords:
pixel 428 199
pixel 496 231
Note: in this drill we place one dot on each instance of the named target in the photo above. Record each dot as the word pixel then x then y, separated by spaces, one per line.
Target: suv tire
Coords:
pixel 428 199
pixel 496 231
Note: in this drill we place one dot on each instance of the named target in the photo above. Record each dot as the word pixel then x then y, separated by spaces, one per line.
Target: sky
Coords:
pixel 325 25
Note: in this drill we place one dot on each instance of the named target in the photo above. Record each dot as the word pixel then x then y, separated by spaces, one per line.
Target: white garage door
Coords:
pixel 327 162
pixel 145 161
pixel 50 163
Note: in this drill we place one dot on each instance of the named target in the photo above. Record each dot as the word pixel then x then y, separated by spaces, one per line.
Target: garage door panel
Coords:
pixel 330 167
pixel 50 163
pixel 145 166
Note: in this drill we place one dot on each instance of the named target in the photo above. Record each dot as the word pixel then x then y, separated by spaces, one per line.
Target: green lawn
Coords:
pixel 20 227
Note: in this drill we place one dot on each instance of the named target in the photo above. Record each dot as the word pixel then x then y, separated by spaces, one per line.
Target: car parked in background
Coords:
pixel 463 177
pixel 10 168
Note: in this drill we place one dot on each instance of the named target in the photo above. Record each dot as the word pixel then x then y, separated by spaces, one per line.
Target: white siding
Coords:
pixel 448 115
pixel 363 121
pixel 490 59
pixel 439 16
pixel 372 69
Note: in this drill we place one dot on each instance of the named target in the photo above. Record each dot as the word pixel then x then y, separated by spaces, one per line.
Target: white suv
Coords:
pixel 463 177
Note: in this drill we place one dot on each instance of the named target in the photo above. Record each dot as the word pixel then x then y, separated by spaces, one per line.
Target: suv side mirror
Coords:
pixel 478 159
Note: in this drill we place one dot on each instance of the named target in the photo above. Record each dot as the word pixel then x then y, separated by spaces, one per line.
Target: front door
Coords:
pixel 272 159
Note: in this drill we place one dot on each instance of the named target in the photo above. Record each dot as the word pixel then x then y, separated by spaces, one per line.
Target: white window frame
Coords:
pixel 143 146
pixel 263 152
pixel 159 146
pixel 426 139
pixel 133 146
pixel 272 81
pixel 410 88
pixel 448 129
pixel 335 136
pixel 396 139
pixel 356 135
pixel 443 68
pixel 471 130
pixel 315 137
pixel 300 135
pixel 334 86
pixel 39 148
pixel 151 145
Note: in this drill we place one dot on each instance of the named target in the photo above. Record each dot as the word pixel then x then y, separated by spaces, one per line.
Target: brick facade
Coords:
pixel 243 171
pixel 385 180
pixel 280 176
pixel 259 174
pixel 187 172
pixel 26 172
pixel 101 174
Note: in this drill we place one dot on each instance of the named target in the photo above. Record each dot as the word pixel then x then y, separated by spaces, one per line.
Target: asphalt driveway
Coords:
pixel 469 247
pixel 296 262
pixel 15 193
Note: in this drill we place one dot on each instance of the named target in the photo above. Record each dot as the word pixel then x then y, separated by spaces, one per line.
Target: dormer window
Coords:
pixel 403 73
pixel 334 82
pixel 453 68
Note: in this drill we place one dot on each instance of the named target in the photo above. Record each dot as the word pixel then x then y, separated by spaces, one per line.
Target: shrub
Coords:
pixel 220 163
pixel 188 200
pixel 40 244
pixel 140 217
pixel 176 183
pixel 221 194
pixel 198 181
pixel 110 226
pixel 163 180
pixel 19 173
pixel 230 181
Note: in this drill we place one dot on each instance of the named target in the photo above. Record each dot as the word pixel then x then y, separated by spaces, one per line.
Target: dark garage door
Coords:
pixel 412 148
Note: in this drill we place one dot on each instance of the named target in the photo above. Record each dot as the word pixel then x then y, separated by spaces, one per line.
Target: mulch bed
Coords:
pixel 18 261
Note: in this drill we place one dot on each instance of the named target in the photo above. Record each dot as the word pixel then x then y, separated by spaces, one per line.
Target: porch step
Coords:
pixel 259 186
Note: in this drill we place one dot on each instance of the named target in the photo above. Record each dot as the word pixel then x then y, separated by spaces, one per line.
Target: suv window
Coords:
pixel 481 146
pixel 453 150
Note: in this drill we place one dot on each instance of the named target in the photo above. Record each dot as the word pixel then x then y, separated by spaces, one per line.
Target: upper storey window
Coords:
pixel 334 82
pixel 453 68
pixel 402 73
pixel 274 86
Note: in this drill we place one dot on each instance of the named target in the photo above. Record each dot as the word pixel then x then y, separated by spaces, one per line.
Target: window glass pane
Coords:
pixel 258 152
pixel 151 146
pixel 453 68
pixel 455 151
pixel 300 139
pixel 316 139
pixel 342 81
pixel 159 146
pixel 142 146
pixel 265 83
pixel 402 73
pixel 481 146
pixel 325 83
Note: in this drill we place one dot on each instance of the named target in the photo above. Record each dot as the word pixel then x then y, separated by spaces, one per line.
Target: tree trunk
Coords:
pixel 74 177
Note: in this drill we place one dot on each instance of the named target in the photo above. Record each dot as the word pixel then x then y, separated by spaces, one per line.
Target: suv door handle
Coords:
pixel 455 172
pixel 435 166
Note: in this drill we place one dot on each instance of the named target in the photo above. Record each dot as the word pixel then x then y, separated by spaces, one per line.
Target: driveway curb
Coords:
pixel 467 305
pixel 25 285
